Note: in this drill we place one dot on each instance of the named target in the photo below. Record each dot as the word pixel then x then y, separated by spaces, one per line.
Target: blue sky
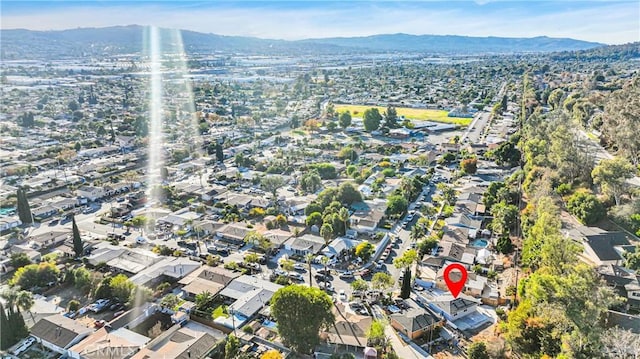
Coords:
pixel 611 22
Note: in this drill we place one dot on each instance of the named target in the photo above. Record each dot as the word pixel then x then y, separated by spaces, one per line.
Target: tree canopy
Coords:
pixel 300 312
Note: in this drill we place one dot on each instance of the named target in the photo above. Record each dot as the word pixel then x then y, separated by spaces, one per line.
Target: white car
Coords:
pixel 342 295
pixel 24 346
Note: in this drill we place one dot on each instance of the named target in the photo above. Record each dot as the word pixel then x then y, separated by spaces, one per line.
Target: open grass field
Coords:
pixel 410 113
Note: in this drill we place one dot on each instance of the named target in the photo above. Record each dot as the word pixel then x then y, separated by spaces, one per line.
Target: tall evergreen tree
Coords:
pixel 24 211
pixel 6 332
pixel 16 326
pixel 77 240
pixel 405 291
pixel 219 153
pixel 390 117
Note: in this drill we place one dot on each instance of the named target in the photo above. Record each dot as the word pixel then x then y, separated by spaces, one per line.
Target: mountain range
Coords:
pixel 21 44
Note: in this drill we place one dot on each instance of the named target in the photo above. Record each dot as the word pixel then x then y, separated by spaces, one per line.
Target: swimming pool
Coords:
pixel 480 243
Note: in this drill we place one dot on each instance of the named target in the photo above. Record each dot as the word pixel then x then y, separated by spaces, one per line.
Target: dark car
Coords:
pixel 322 278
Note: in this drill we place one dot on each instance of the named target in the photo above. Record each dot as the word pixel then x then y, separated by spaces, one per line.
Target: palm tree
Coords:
pixel 21 300
pixel 326 231
pixel 343 215
pixel 25 301
pixel 309 259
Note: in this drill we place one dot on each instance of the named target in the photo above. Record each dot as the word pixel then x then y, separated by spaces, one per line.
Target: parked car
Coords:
pixel 327 287
pixel 300 267
pixel 99 305
pixel 322 278
pixel 379 264
pixel 325 272
pixel 346 275
pixel 99 323
pixel 295 276
pixel 24 346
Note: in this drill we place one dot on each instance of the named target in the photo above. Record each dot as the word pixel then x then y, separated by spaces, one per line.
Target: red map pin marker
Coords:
pixel 455 287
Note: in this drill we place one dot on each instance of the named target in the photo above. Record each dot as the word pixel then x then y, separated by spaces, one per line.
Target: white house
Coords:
pixel 91 192
pixel 7 223
pixel 59 333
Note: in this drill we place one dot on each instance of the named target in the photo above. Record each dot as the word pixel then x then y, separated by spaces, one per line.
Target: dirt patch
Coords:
pixel 154 325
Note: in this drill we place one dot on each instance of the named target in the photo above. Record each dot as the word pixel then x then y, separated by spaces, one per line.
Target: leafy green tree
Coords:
pixel 478 350
pixel 345 119
pixel 381 280
pixel 586 207
pixel 314 218
pixel 506 154
pixel 78 247
pixel 348 194
pixel 300 312
pixel 121 287
pixel 325 170
pixel 73 305
pixel 231 347
pixel 371 119
pixel 505 217
pixel 504 245
pixel 469 165
pixel 611 175
pixel 272 184
pixel 547 224
pixel 348 153
pixel 311 182
pixel 35 275
pixel 427 245
pixel 82 278
pixel 406 259
pixel 365 250
pixel 169 301
pixel 376 335
pixel 632 259
pixel 103 291
pixel 19 259
pixel 360 284
pixel 396 205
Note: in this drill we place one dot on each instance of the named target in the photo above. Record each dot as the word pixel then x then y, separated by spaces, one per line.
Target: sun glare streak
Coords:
pixel 155 161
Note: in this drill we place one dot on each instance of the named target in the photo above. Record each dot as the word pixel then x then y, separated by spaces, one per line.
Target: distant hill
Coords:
pixel 20 44
pixel 603 53
pixel 457 44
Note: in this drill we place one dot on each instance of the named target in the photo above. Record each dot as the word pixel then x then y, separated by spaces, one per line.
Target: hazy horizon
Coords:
pixel 609 22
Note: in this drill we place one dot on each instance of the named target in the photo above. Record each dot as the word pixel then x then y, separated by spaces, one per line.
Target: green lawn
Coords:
pixel 410 113
pixel 220 311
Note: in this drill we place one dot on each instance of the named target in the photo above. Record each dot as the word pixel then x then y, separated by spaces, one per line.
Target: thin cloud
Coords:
pixel 594 21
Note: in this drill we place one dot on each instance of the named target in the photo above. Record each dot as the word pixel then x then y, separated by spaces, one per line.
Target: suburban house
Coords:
pixel 189 342
pixel 349 331
pixel 166 269
pixel 450 308
pixel 340 247
pixel 415 322
pixel 44 212
pixel 247 295
pixel 207 279
pixel 107 343
pixel 59 333
pixel 233 233
pixel 91 192
pixel 601 247
pixel 305 244
pixel 6 223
